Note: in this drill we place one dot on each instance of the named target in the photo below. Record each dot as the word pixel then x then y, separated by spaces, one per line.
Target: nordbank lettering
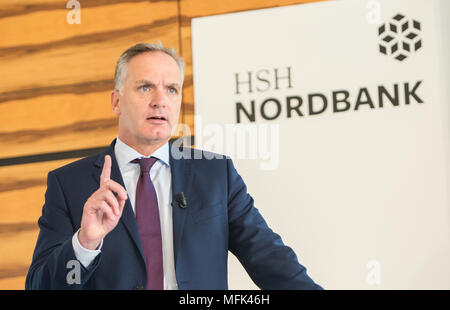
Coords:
pixel 335 101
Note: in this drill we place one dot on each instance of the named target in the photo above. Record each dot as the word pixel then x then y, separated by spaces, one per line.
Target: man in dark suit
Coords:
pixel 146 214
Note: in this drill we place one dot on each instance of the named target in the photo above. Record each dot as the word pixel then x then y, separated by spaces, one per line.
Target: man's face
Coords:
pixel 150 104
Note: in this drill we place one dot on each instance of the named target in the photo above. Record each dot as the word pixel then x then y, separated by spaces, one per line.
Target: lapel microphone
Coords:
pixel 179 200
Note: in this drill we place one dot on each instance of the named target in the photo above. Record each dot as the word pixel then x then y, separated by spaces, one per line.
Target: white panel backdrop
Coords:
pixel 360 195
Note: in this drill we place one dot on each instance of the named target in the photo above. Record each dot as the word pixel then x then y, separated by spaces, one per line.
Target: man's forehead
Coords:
pixel 154 58
pixel 153 63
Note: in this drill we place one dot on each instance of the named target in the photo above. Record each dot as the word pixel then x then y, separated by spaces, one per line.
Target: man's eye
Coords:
pixel 172 90
pixel 144 88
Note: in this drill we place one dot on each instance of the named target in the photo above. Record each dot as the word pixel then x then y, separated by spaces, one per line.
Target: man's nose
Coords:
pixel 158 99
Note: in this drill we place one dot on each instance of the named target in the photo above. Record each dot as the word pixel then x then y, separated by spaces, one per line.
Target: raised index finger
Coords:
pixel 106 172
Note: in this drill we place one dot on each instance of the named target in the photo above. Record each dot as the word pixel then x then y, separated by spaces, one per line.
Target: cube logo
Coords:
pixel 399 37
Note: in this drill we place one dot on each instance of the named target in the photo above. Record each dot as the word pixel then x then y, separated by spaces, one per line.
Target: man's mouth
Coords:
pixel 157 120
pixel 162 118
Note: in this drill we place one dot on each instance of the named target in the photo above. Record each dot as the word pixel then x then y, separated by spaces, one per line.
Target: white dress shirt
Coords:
pixel 161 177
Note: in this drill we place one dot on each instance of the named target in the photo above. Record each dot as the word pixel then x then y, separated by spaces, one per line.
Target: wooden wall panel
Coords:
pixel 22 187
pixel 56 70
pixel 17 250
pixel 56 123
pixel 45 21
pixel 77 60
pixel 24 204
pixel 12 283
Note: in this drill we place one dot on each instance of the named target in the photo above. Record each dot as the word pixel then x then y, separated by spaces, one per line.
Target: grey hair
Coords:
pixel 121 66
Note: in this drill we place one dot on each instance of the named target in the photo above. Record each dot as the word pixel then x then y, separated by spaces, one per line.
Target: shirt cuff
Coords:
pixel 85 256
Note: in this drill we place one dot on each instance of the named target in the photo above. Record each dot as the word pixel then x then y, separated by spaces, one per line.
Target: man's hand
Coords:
pixel 102 210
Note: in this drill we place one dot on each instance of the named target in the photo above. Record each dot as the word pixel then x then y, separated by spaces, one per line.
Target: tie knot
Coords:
pixel 145 163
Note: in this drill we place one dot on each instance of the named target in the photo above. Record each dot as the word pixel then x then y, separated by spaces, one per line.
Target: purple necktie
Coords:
pixel 147 216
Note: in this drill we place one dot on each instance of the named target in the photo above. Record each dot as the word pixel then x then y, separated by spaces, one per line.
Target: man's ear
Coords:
pixel 115 102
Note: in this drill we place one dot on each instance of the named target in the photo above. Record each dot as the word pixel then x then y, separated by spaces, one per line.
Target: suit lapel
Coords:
pixel 182 176
pixel 128 218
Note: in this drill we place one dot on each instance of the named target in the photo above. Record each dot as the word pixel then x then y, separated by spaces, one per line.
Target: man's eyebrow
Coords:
pixel 147 82
pixel 174 85
pixel 144 82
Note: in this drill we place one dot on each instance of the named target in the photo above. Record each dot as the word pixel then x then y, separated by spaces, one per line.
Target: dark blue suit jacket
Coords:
pixel 219 217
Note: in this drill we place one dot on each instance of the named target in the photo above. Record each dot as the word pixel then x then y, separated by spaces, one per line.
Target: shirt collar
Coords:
pixel 125 154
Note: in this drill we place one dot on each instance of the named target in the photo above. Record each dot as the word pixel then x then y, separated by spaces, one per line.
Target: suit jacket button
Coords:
pixel 139 287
